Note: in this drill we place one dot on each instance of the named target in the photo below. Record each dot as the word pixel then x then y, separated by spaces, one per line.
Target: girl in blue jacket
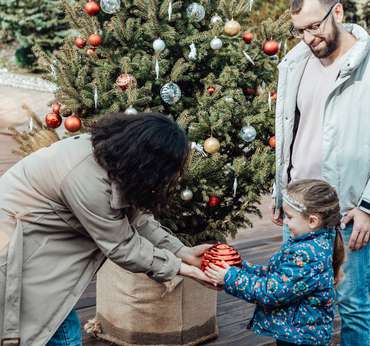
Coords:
pixel 294 293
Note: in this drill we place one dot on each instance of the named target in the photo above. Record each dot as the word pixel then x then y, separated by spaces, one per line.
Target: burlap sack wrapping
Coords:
pixel 132 309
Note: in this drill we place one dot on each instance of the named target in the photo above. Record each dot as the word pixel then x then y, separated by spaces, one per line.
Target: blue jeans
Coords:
pixel 353 293
pixel 69 333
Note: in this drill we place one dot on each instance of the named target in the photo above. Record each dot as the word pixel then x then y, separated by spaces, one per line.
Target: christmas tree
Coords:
pixel 357 11
pixel 210 66
pixel 32 23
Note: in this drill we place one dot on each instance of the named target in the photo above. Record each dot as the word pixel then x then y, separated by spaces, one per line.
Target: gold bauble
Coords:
pixel 211 145
pixel 232 28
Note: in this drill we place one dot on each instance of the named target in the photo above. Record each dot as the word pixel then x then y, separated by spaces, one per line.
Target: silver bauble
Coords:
pixel 170 93
pixel 186 195
pixel 196 12
pixel 248 133
pixel 131 111
pixel 110 6
pixel 216 19
pixel 216 43
pixel 159 45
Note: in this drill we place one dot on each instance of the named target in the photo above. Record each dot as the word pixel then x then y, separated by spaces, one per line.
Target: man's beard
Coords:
pixel 332 43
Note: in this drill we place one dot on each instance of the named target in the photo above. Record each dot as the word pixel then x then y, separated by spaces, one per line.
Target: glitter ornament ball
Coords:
pixel 248 133
pixel 53 120
pixel 196 12
pixel 72 123
pixel 211 145
pixel 216 43
pixel 221 253
pixel 216 19
pixel 110 6
pixel 170 93
pixel 186 195
pixel 125 80
pixel 232 28
pixel 159 45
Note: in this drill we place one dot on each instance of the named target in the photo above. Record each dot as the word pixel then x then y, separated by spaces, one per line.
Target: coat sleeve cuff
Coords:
pixel 364 206
pixel 165 265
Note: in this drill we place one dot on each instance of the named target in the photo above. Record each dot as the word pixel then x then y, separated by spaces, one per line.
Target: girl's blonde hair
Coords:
pixel 320 198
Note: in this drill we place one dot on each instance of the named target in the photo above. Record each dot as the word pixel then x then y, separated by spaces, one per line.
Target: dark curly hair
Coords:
pixel 144 154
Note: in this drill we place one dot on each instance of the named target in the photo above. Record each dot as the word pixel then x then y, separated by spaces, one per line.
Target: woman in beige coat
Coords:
pixel 68 207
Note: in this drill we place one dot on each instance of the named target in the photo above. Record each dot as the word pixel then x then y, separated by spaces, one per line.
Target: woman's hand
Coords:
pixel 193 272
pixel 193 255
pixel 216 273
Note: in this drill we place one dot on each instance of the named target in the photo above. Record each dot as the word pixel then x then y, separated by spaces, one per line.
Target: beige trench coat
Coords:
pixel 60 218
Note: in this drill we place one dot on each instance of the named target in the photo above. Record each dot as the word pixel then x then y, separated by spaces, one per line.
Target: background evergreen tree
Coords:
pixel 32 23
pixel 224 97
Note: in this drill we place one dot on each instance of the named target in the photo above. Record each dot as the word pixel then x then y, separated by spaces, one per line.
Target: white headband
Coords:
pixel 292 202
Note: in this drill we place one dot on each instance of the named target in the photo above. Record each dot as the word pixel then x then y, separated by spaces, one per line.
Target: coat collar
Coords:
pixel 312 235
pixel 353 59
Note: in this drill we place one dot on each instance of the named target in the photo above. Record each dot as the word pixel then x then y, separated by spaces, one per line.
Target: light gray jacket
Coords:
pixel 346 122
pixel 60 218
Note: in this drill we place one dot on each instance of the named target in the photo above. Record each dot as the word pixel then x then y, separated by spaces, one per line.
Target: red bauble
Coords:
pixel 72 123
pixel 53 120
pixel 249 91
pixel 214 201
pixel 271 47
pixel 247 37
pixel 274 95
pixel 221 253
pixel 211 90
pixel 272 142
pixel 55 108
pixel 94 40
pixel 92 8
pixel 80 42
pixel 91 52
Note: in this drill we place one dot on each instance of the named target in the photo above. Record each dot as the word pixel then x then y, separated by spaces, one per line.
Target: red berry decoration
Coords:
pixel 271 47
pixel 72 123
pixel 214 201
pixel 92 8
pixel 221 253
pixel 94 40
pixel 55 108
pixel 211 90
pixel 247 37
pixel 80 42
pixel 53 120
pixel 272 142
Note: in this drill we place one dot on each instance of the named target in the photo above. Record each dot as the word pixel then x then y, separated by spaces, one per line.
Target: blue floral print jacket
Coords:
pixel 294 293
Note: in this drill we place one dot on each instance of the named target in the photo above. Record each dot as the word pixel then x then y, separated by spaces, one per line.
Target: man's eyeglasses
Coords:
pixel 314 29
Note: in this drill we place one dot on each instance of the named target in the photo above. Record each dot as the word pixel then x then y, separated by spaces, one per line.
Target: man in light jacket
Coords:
pixel 66 208
pixel 323 131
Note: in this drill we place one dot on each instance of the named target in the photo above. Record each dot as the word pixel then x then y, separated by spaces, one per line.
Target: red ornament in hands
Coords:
pixel 53 120
pixel 92 8
pixel 221 253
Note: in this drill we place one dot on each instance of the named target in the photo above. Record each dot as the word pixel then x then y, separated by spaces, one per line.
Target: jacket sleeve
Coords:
pixel 255 269
pixel 364 203
pixel 152 230
pixel 295 277
pixel 88 199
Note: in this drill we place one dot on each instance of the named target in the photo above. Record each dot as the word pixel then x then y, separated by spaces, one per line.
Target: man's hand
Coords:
pixel 193 255
pixel 361 228
pixel 276 219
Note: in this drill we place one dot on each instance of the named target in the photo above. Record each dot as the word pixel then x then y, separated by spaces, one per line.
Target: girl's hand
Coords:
pixel 216 273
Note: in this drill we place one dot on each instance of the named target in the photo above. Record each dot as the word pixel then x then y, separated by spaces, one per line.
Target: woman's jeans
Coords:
pixel 69 333
pixel 353 293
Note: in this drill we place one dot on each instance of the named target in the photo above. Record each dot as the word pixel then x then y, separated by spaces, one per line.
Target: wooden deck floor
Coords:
pixel 233 314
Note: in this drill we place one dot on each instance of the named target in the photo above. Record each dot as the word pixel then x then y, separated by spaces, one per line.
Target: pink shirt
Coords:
pixel 316 83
